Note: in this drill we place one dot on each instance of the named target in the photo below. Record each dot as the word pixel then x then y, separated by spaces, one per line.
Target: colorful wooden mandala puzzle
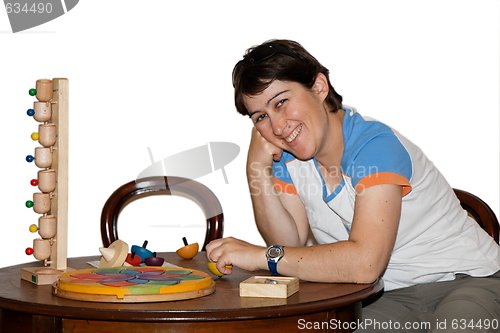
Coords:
pixel 134 284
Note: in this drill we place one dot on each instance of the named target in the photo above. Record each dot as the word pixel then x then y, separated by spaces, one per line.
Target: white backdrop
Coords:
pixel 157 74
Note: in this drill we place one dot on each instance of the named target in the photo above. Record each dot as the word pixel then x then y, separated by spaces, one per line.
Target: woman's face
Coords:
pixel 291 116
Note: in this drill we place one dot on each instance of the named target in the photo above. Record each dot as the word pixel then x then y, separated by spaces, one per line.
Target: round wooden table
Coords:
pixel 25 307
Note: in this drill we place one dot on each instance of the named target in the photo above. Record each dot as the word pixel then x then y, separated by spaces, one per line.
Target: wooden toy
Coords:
pixel 139 254
pixel 212 267
pixel 269 286
pixel 41 249
pixel 154 260
pixel 46 181
pixel 141 251
pixel 47 226
pixel 42 111
pixel 114 255
pixel 47 135
pixel 133 260
pixel 44 90
pixel 188 251
pixel 51 110
pixel 43 157
pixel 134 284
pixel 41 202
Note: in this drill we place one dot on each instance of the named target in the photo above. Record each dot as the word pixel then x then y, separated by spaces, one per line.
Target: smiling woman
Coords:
pixel 382 210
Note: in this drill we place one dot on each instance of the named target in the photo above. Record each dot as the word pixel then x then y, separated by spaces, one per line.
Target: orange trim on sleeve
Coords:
pixel 384 178
pixel 284 187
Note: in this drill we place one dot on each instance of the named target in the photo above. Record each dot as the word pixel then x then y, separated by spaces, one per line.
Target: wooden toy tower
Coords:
pixel 51 201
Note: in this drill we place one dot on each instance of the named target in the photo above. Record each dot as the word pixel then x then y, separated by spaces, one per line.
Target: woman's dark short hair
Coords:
pixel 283 60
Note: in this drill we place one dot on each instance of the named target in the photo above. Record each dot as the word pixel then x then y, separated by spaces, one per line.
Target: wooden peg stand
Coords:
pixel 57 262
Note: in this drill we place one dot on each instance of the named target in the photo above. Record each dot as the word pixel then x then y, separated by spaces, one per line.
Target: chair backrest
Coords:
pixel 480 212
pixel 143 187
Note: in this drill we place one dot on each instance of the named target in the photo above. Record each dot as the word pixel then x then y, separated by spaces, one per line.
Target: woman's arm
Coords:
pixel 280 217
pixel 365 255
pixel 360 259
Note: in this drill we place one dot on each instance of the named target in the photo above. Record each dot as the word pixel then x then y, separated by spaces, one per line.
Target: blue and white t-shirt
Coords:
pixel 436 238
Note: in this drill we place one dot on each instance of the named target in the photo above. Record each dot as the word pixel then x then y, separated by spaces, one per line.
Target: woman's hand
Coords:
pixel 262 151
pixel 232 251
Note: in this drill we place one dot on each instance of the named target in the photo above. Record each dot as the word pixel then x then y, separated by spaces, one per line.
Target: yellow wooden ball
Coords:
pixel 35 136
pixel 33 228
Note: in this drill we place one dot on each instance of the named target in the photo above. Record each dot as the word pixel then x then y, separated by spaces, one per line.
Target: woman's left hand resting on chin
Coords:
pixel 232 251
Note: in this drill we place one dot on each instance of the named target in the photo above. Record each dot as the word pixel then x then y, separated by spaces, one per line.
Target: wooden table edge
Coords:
pixel 192 315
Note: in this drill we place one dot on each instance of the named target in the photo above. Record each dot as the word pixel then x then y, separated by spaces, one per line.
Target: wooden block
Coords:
pixel 269 286
pixel 40 275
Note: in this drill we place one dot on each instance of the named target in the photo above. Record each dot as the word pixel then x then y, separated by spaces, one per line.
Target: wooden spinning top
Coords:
pixel 141 251
pixel 154 260
pixel 132 260
pixel 114 255
pixel 188 251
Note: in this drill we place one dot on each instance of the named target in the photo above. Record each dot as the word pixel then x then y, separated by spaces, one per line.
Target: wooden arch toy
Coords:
pixel 157 185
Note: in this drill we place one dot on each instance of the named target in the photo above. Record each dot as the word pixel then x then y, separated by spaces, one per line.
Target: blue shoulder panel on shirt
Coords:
pixel 381 154
pixel 371 147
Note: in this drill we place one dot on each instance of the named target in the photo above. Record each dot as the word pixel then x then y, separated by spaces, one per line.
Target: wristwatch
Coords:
pixel 274 254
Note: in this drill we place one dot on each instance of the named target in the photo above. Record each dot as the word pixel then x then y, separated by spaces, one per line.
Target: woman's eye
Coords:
pixel 260 117
pixel 281 102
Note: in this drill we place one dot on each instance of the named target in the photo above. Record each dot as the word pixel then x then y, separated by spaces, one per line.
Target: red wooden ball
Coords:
pixel 29 251
pixel 34 182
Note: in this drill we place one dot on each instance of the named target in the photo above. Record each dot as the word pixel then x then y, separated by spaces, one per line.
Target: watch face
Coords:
pixel 275 252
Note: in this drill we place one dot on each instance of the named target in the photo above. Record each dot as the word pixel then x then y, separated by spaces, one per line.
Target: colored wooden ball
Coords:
pixel 35 136
pixel 34 182
pixel 30 158
pixel 33 228
pixel 30 112
pixel 32 92
pixel 29 251
pixel 29 204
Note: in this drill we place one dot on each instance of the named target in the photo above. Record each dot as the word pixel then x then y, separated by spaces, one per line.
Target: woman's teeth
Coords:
pixel 294 134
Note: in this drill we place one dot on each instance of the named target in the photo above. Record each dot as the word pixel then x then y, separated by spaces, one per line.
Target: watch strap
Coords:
pixel 273 267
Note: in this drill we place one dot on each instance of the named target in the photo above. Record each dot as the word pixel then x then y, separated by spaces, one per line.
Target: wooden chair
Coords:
pixel 480 212
pixel 144 187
